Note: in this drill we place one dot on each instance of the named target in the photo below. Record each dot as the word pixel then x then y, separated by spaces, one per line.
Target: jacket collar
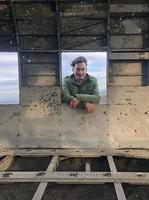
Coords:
pixel 75 81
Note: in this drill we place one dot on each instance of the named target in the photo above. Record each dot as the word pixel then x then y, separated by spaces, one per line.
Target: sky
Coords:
pixel 9 81
pixel 97 66
pixel 9 77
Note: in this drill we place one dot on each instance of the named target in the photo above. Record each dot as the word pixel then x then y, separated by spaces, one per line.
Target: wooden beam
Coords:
pixel 131 42
pixel 39 69
pixel 39 80
pixel 125 69
pixel 125 81
pixel 137 8
pixel 87 166
pixel 129 56
pixel 42 186
pixel 6 162
pixel 75 177
pixel 118 186
pixel 134 153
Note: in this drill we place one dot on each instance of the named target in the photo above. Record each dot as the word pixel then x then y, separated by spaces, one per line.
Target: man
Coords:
pixel 80 89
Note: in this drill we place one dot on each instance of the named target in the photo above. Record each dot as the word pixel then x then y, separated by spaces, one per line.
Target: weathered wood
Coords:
pixel 129 56
pixel 39 69
pixel 34 10
pixel 125 68
pixel 44 97
pixel 84 10
pixel 121 95
pixel 87 166
pixel 128 152
pixel 118 186
pixel 83 43
pixel 38 42
pixel 52 127
pixel 130 25
pixel 82 26
pixel 75 177
pixel 42 186
pixel 137 8
pixel 39 81
pixel 38 121
pixel 39 58
pixel 125 125
pixel 38 124
pixel 9 124
pixel 6 162
pixel 126 41
pixel 37 26
pixel 125 80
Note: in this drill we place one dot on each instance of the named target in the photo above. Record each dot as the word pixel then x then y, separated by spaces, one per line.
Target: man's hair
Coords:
pixel 80 59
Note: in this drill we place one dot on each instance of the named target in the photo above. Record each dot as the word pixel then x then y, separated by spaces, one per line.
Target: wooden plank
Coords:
pixel 75 177
pixel 125 125
pixel 31 96
pixel 6 162
pixel 83 43
pixel 125 68
pixel 123 129
pixel 39 58
pixel 92 9
pixel 129 25
pixel 125 80
pixel 47 126
pixel 87 166
pixel 39 81
pixel 129 56
pixel 137 8
pixel 39 43
pixel 37 26
pixel 127 152
pixel 123 95
pixel 42 186
pixel 82 26
pixel 39 69
pixel 118 186
pixel 126 41
pixel 43 9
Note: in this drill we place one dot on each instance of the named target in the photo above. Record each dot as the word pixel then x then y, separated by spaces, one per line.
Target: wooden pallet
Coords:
pixel 5 162
pixel 88 152
pixel 75 177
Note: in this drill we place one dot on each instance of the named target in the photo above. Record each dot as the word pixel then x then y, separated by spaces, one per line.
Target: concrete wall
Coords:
pixel 44 122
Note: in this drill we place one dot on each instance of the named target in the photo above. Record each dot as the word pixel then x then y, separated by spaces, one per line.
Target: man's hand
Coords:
pixel 90 107
pixel 74 103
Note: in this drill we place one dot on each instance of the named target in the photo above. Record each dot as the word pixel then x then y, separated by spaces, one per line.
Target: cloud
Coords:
pixel 9 80
pixel 6 57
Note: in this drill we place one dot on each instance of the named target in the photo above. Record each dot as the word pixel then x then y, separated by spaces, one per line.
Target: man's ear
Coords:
pixel 72 69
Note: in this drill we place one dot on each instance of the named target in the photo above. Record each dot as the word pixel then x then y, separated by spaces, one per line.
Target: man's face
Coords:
pixel 80 70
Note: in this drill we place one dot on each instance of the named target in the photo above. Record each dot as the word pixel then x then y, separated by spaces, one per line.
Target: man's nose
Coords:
pixel 80 72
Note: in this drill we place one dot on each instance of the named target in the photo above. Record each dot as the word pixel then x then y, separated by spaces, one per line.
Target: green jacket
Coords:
pixel 85 92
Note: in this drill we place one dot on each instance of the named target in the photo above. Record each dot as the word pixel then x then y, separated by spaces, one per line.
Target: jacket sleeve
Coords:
pixel 93 98
pixel 66 96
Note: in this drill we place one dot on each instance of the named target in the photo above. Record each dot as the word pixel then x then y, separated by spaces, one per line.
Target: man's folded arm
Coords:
pixel 66 96
pixel 88 98
pixel 91 98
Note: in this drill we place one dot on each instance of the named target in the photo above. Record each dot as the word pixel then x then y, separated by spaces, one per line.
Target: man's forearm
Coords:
pixel 88 98
pixel 67 98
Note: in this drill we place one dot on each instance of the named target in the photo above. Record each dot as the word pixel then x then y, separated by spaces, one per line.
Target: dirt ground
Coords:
pixel 25 191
